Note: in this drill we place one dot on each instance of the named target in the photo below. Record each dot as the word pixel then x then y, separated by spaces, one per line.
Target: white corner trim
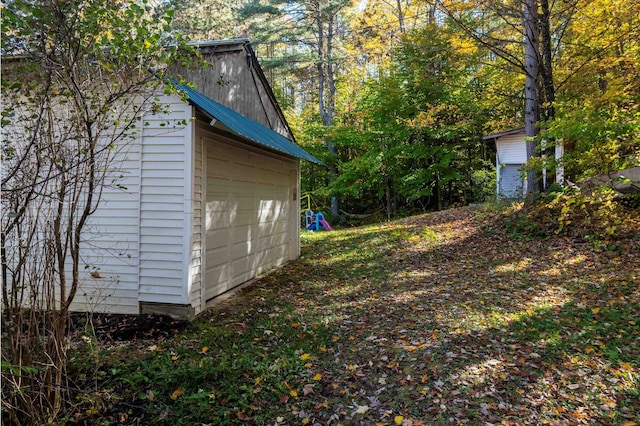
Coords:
pixel 189 171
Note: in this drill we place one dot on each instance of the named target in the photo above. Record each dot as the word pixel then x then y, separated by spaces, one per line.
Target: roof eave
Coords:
pixel 495 136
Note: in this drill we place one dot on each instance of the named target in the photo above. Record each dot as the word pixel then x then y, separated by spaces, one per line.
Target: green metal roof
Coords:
pixel 245 127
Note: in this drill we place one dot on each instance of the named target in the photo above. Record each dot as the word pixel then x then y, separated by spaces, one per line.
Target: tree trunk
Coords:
pixel 531 90
pixel 388 197
pixel 400 17
pixel 438 192
pixel 546 70
pixel 327 101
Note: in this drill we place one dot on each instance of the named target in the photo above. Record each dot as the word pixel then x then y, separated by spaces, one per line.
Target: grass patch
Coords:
pixel 433 319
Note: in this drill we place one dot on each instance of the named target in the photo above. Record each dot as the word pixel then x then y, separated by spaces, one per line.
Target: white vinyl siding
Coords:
pixel 109 256
pixel 247 213
pixel 511 181
pixel 512 149
pixel 164 220
pixel 511 154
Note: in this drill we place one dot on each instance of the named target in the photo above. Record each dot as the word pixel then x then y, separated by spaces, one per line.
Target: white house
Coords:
pixel 210 198
pixel 511 154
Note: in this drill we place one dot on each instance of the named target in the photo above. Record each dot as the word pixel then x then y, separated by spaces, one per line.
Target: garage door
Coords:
pixel 247 215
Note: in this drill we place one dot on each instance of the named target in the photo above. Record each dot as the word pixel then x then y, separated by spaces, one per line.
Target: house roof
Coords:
pixel 231 121
pixel 505 133
pixel 205 43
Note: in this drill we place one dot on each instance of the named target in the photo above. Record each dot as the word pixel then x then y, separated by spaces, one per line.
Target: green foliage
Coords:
pixel 524 227
pixel 599 218
pixel 415 138
pixel 201 20
pixel 598 213
pixel 599 139
pixel 233 360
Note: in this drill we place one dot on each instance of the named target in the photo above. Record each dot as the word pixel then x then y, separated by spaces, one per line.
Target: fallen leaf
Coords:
pixel 626 366
pixel 362 409
pixel 176 393
pixel 307 389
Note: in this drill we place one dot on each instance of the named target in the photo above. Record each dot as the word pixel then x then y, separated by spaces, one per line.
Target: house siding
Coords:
pixel 511 181
pixel 511 149
pixel 109 274
pixel 164 173
pixel 197 246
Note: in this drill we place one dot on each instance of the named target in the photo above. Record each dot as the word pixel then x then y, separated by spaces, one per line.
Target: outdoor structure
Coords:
pixel 206 197
pixel 511 154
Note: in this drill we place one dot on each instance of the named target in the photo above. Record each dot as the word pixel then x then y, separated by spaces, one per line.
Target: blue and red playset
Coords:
pixel 316 221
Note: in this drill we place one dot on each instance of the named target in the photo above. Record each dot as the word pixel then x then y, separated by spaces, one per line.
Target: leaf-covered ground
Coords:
pixel 444 318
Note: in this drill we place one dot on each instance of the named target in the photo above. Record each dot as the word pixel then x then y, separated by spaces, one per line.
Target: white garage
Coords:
pixel 209 196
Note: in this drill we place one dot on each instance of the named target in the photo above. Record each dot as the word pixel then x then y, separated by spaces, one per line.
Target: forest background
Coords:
pixel 395 96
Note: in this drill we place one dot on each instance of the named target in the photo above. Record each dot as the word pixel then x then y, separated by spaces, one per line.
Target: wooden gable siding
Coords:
pixel 233 78
pixel 165 204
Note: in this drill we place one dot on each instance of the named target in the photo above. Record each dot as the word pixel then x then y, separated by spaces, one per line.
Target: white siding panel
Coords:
pixel 152 256
pixel 511 183
pixel 163 158
pixel 161 134
pixel 153 250
pixel 110 248
pixel 164 165
pixel 162 231
pixel 117 213
pixel 165 148
pixel 161 290
pixel 172 245
pixel 194 252
pixel 168 210
pixel 151 172
pixel 120 218
pixel 512 149
pixel 160 200
pixel 121 235
pixel 164 179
